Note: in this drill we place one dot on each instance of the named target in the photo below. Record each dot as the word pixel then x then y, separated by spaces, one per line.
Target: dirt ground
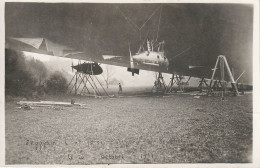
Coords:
pixel 157 129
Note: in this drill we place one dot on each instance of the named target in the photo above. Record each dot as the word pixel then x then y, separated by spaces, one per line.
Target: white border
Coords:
pixel 2 81
pixel 256 87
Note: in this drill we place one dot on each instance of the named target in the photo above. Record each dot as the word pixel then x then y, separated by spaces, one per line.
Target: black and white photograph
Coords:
pixel 90 83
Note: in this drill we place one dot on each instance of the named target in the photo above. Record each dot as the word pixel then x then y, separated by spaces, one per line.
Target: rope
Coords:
pixel 140 28
pixel 199 42
pixel 150 17
pixel 185 50
pixel 159 24
pixel 128 19
pixel 145 38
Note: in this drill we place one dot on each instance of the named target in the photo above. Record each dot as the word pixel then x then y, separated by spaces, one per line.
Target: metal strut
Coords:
pixel 170 88
pixel 202 82
pixel 178 80
pixel 159 84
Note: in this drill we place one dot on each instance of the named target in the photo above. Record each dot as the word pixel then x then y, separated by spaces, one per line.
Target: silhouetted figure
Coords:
pixel 120 91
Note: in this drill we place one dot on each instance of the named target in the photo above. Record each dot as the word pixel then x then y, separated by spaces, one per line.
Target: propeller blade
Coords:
pixel 131 58
pixel 214 69
pixel 194 66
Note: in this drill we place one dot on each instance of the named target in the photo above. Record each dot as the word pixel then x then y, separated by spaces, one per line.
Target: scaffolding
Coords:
pixel 221 84
pixel 159 83
pixel 88 82
pixel 178 80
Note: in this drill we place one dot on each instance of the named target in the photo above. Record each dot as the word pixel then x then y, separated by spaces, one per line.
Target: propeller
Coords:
pixel 131 61
pixel 200 66
pixel 194 66
pixel 131 58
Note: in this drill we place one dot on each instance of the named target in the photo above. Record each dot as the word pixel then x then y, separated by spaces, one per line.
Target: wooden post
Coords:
pixel 76 83
pixel 223 63
pixel 169 88
pixel 231 76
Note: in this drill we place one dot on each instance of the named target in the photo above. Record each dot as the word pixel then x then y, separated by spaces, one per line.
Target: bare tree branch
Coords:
pixel 107 74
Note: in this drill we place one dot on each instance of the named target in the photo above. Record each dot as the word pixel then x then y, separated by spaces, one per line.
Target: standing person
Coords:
pixel 120 91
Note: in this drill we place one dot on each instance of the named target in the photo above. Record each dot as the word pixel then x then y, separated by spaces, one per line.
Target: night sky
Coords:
pixel 200 32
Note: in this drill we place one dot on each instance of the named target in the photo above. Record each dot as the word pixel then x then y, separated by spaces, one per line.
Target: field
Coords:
pixel 156 129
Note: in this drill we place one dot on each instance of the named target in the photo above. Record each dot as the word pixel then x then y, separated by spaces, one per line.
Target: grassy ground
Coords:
pixel 158 129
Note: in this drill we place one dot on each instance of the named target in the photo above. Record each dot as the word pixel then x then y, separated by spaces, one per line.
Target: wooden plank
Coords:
pixel 48 103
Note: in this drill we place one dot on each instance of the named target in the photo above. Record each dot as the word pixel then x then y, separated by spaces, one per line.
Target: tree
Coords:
pixel 37 69
pixel 18 81
pixel 107 74
pixel 115 81
pixel 57 83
